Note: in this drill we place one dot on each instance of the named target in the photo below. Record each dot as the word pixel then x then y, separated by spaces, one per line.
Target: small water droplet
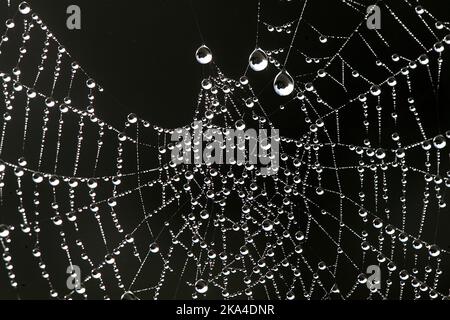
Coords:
pixel 439 142
pixel 4 231
pixel 267 225
pixel 154 247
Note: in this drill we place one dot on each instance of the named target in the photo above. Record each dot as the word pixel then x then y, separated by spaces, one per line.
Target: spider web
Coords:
pixel 351 191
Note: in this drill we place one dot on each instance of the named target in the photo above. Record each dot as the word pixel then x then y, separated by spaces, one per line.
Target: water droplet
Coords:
pixel 400 153
pixel 4 231
pixel 392 82
pixel 362 278
pixel 426 145
pixel 322 266
pixel 132 118
pixel 243 80
pixel 419 10
pixel 154 247
pixel 290 295
pixel 109 259
pixel 375 90
pixel 206 84
pixel 283 84
pixel 24 8
pixel 243 250
pixel 204 214
pixel 447 39
pixel 423 59
pixel 258 60
pixel 299 236
pixel 434 250
pixel 37 177
pixel 267 225
pixel 54 181
pixel 323 39
pixel 90 83
pixel 439 142
pixel 321 73
pixel 240 124
pixel 203 55
pixel 10 23
pixel 201 286
pixel 22 162
pixel 50 102
pixel 439 47
pixel 380 153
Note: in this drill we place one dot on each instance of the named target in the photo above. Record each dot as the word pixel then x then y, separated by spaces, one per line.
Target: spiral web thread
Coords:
pixel 301 233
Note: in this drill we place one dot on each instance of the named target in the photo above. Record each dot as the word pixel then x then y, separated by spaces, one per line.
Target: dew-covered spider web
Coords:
pixel 361 182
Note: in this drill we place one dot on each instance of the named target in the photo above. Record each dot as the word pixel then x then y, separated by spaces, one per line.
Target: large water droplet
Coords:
pixel 203 55
pixel 24 8
pixel 283 84
pixel 201 286
pixel 258 60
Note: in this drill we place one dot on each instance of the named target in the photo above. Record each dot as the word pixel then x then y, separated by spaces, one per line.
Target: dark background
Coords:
pixel 142 53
